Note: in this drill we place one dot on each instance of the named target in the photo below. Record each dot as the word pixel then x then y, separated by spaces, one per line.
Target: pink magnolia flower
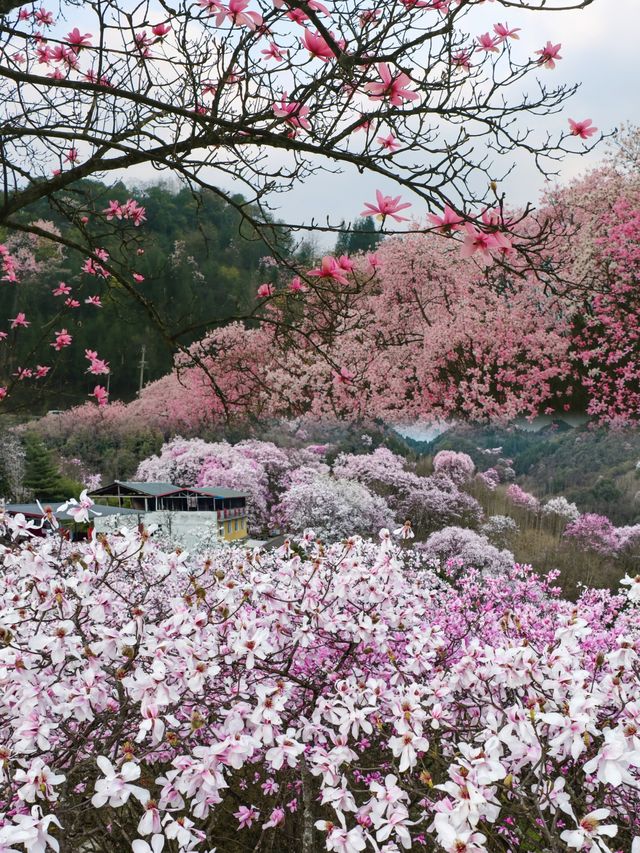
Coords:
pixel 72 155
pixel 404 532
pixel 246 816
pixel 392 88
pixel 62 289
pixel 8 265
pixel 488 43
pixel 137 277
pixel 38 782
pixel 63 339
pixel 116 788
pixel 590 828
pixel 265 290
pixel 20 320
pixel 276 818
pixel 462 59
pixel 504 32
pixel 101 394
pixel 161 30
pixel 341 840
pixel 41 371
pixel 345 263
pixel 294 112
pixel 478 241
pixel 344 377
pixel 549 54
pixel 296 285
pixel 236 13
pixel 584 129
pixel 97 365
pixel 273 52
pixel 385 206
pixel 77 40
pixel 78 509
pixel 330 268
pixel 93 300
pixel 317 46
pixel 448 222
pixel 32 831
pixel 389 142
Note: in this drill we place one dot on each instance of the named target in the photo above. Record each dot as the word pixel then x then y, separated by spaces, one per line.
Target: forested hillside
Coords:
pixel 595 468
pixel 199 265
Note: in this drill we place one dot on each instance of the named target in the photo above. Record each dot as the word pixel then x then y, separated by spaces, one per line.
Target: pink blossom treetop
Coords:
pixel 521 498
pixel 458 548
pixel 593 532
pixel 459 467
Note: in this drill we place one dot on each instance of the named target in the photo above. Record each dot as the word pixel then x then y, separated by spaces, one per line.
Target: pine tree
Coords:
pixel 363 237
pixel 41 477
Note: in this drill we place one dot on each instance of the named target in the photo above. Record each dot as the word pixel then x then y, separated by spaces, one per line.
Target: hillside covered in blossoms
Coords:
pixel 319 426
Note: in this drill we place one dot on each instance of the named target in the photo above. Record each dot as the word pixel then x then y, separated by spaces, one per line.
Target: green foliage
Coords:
pixel 362 238
pixel 42 478
pixel 201 266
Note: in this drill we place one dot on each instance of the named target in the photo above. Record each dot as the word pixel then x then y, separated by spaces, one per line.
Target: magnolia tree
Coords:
pixel 334 508
pixel 433 335
pixel 340 697
pixel 435 502
pixel 593 533
pixel 260 95
pixel 458 467
pixel 458 548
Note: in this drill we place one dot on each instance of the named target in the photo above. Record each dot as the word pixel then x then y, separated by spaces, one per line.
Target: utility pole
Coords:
pixel 142 366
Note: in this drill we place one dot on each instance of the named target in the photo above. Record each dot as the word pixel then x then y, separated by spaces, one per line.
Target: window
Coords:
pixel 192 502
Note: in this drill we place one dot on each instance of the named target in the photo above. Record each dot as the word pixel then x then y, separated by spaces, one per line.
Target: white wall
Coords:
pixel 188 529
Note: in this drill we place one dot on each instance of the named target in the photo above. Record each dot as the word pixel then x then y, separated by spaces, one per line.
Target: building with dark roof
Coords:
pixel 208 508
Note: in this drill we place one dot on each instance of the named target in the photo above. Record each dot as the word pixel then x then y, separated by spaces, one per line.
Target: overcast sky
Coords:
pixel 601 51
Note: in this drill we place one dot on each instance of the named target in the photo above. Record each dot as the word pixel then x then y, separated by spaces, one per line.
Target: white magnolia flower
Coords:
pixel 633 594
pixel 590 829
pixel 115 788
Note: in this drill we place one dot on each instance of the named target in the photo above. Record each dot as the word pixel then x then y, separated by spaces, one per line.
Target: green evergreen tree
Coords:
pixel 363 237
pixel 41 477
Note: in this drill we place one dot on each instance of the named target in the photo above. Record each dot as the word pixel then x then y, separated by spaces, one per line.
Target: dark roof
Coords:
pixel 34 511
pixel 157 490
pixel 148 489
pixel 215 491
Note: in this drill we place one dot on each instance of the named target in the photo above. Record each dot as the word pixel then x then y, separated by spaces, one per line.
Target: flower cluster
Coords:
pixel 158 701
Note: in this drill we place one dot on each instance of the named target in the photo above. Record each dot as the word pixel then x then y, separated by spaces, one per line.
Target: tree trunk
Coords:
pixel 308 841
